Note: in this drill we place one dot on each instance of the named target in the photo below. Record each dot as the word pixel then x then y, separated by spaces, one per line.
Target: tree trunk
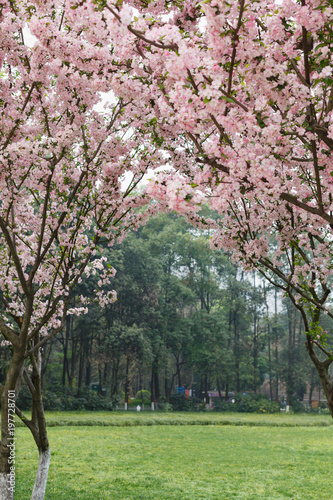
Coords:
pixel 156 384
pixel 7 446
pixel 99 381
pixel 38 492
pixel 236 353
pixel 167 389
pixel 276 371
pixel 127 381
pixel 114 377
pixel 88 347
pixel 255 357
pixel 152 385
pixel 88 373
pixel 290 388
pixel 322 369
pixel 255 336
pixel 219 387
pixel 6 490
pixel 178 365
pixel 270 365
pixel 206 389
pixel 269 346
pixel 74 359
pixel 37 425
pixel 81 369
pixel 65 348
pixel 105 373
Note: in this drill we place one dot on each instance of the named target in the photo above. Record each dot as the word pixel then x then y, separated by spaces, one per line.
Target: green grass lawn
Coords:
pixel 132 418
pixel 183 461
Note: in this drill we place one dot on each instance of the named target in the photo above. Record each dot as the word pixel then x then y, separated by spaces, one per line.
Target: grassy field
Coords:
pixel 137 461
pixel 133 418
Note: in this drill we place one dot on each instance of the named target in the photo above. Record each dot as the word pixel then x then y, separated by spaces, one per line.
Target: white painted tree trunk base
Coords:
pixel 41 476
pixel 5 492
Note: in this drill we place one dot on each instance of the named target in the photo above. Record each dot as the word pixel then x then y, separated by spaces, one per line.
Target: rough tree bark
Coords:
pixel 7 476
pixel 36 424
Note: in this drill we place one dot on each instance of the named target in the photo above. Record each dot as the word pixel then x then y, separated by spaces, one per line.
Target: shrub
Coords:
pixel 138 401
pixel 297 406
pixel 179 402
pixel 163 405
pixel 248 403
pixel 221 405
pixel 63 398
pixel 143 394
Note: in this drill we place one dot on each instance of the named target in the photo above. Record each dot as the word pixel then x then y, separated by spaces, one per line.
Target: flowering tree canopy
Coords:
pixel 236 97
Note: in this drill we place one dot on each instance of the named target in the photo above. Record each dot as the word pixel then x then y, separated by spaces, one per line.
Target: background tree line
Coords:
pixel 185 316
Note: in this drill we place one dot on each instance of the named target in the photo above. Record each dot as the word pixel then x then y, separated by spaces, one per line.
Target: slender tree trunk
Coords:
pixel 81 369
pixel 127 381
pixel 7 446
pixel 218 385
pixel 157 384
pixel 152 384
pixel 270 363
pixel 325 378
pixel 39 431
pixel 65 360
pixel 114 377
pixel 229 347
pixel 206 389
pixel 166 388
pixel 289 369
pixel 276 371
pixel 276 350
pixel 319 398
pixel 100 380
pixel 141 388
pixel 236 353
pixel 105 373
pixel 310 394
pixel 178 365
pixel 269 346
pixel 200 388
pixel 254 338
pixel 255 357
pixel 73 363
pixel 88 373
pixel 88 364
pixel 38 492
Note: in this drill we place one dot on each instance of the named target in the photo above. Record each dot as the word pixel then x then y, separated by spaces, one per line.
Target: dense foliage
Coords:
pixel 185 316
